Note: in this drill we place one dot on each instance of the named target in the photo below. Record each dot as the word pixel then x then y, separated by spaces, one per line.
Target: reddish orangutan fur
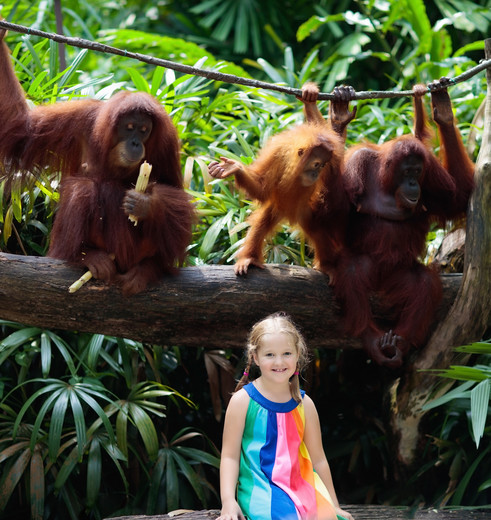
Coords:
pixel 273 180
pixel 75 138
pixel 384 255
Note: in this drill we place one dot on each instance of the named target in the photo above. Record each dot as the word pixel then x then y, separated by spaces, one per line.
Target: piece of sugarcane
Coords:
pixel 84 279
pixel 141 184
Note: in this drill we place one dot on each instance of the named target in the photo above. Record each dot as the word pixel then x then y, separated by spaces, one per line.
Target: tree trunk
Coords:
pixel 201 306
pixel 468 318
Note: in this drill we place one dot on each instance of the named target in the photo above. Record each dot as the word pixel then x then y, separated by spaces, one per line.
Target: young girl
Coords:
pixel 272 444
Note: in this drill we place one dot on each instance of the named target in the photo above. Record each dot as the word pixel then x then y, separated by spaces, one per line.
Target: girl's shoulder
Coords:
pixel 237 407
pixel 307 400
pixel 239 398
pixel 309 406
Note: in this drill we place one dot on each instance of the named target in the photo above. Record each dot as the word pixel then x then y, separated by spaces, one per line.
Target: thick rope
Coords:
pixel 218 76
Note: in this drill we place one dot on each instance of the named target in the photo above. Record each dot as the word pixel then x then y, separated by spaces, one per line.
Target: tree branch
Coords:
pixel 207 306
pixel 219 76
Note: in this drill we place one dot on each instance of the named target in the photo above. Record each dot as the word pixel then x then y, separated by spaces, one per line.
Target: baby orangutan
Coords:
pixel 296 177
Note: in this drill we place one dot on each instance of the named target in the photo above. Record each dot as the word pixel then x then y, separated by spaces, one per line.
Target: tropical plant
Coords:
pixel 467 409
pixel 397 39
pixel 54 439
pixel 89 413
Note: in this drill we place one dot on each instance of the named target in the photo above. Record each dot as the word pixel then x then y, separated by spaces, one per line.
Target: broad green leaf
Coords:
pixel 94 472
pixel 191 476
pixel 72 69
pixel 79 420
pixel 171 483
pixel 157 77
pixel 53 59
pixel 289 66
pixel 45 354
pixel 39 79
pixel 310 26
pixel 479 409
pixel 485 485
pixel 271 71
pixel 126 361
pixel 196 455
pixel 69 464
pixel 83 393
pixel 156 478
pixel 146 429
pixel 480 347
pixel 19 337
pixel 210 238
pixel 225 24
pixel 352 44
pixel 56 422
pixel 41 415
pixel 305 73
pixel 139 81
pixel 63 349
pixel 460 392
pixel 13 477
pixel 53 386
pixel 463 373
pixel 94 347
pixel 33 53
pixel 37 485
pixel 7 226
pixel 415 14
pixel 12 449
pixel 116 456
pixel 464 482
pixel 245 145
pixel 122 429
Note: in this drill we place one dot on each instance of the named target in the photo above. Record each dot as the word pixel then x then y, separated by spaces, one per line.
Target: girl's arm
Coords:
pixel 230 458
pixel 313 442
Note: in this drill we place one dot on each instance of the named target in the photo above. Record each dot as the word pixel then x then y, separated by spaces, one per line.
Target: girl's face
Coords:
pixel 276 357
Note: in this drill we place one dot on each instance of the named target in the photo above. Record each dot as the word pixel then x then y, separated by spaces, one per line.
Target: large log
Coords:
pixel 201 306
pixel 359 512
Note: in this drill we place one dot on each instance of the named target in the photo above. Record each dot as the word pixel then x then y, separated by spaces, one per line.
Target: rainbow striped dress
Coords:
pixel 276 477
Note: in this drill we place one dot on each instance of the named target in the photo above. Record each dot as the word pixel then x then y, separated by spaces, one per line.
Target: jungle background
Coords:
pixel 94 426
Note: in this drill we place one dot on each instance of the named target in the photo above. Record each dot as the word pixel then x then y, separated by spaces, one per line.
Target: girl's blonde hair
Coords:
pixel 277 323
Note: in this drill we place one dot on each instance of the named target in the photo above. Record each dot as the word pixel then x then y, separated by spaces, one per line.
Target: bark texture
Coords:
pixel 359 513
pixel 206 306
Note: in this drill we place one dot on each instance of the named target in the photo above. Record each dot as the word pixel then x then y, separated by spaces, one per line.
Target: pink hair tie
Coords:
pixel 245 373
pixel 296 373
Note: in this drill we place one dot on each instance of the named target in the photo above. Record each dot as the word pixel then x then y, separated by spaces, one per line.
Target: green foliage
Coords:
pixel 175 459
pixel 397 39
pixel 89 417
pixel 476 389
pixel 113 417
pixel 468 403
pixel 164 47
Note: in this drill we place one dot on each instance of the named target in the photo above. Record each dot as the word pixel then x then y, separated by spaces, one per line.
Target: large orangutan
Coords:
pixel 98 147
pixel 296 177
pixel 398 189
